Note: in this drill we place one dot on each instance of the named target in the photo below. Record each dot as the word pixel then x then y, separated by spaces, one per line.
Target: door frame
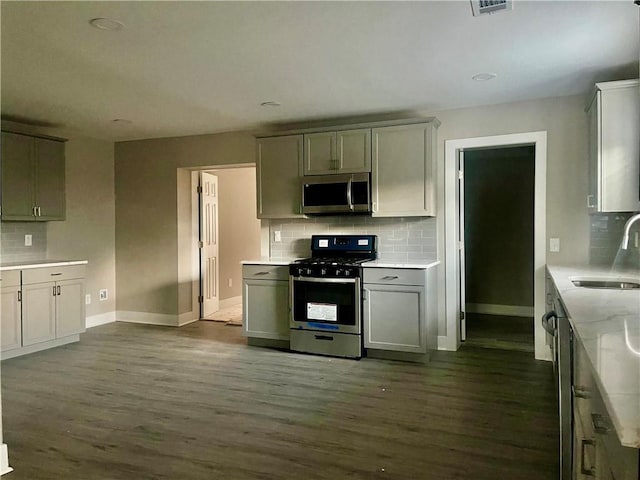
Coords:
pixel 452 274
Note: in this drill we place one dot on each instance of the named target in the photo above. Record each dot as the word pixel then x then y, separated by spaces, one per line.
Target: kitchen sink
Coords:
pixel 612 283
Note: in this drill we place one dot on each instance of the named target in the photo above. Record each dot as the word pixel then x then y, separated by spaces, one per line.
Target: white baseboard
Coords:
pixel 58 342
pixel 100 319
pixel 230 302
pixel 4 460
pixel 147 318
pixel 508 310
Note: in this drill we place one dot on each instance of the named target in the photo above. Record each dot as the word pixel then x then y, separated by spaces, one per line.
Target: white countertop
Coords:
pixel 40 264
pixel 376 263
pixel 607 324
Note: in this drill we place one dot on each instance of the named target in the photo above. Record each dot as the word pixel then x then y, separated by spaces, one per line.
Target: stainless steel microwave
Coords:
pixel 336 194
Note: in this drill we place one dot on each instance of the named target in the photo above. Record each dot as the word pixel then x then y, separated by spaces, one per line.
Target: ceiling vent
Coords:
pixel 487 7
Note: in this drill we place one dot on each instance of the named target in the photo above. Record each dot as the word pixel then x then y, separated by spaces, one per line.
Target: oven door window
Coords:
pixel 329 302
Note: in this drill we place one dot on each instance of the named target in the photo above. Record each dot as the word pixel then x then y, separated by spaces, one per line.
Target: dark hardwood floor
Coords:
pixel 143 402
pixel 500 331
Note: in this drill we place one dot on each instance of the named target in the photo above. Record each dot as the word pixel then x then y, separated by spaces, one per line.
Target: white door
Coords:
pixel 461 258
pixel 209 290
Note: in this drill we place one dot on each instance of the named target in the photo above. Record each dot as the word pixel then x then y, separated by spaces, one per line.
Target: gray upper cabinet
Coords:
pixel 33 178
pixel 347 151
pixel 403 170
pixel 614 147
pixel 278 171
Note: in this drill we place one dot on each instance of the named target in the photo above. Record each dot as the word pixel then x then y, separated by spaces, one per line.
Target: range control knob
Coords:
pixel 338 272
pixel 323 272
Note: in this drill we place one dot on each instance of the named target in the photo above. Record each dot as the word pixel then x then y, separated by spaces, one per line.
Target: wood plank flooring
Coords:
pixel 500 331
pixel 142 402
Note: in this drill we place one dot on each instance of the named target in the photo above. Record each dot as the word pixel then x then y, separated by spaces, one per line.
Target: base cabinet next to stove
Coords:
pixel 399 310
pixel 265 302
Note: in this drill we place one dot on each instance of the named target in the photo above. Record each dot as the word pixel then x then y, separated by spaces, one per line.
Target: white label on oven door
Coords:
pixel 363 241
pixel 323 243
pixel 322 311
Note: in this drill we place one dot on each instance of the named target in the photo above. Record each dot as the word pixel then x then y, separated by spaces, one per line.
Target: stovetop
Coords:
pixel 336 256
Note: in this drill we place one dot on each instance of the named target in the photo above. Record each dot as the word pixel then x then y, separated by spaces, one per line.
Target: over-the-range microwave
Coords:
pixel 336 194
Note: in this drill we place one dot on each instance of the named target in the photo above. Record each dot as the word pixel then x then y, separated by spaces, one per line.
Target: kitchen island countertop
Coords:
pixel 607 323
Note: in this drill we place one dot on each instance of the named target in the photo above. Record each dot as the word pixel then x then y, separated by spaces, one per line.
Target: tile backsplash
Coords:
pixel 606 236
pixel 12 248
pixel 399 239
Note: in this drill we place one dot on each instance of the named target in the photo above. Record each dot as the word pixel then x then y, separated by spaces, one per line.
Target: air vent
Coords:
pixel 487 7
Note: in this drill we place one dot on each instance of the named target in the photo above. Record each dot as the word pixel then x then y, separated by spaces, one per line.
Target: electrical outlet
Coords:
pixel 554 244
pixel 277 236
pixel 104 294
pixel 87 299
pixel 231 282
pixel 28 240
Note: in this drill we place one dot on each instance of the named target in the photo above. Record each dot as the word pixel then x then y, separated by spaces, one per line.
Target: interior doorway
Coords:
pixel 227 231
pixel 453 271
pixel 497 229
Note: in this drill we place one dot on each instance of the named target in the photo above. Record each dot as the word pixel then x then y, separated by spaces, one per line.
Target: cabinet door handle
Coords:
pixel 600 424
pixel 328 338
pixel 39 211
pixel 19 295
pixel 591 472
pixel 261 273
pixel 34 211
pixel 58 289
pixel 54 291
pixel 390 277
pixel 580 392
pixel 590 201
pixel 55 274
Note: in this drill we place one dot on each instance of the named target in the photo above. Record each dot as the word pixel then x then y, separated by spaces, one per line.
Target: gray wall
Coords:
pixel 147 213
pixel 498 225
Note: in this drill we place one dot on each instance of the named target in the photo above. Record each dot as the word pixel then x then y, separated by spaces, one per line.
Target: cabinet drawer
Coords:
pixel 265 272
pixel 394 276
pixel 10 278
pixel 52 274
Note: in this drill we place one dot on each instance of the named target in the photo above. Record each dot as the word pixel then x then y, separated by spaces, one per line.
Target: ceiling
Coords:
pixel 186 68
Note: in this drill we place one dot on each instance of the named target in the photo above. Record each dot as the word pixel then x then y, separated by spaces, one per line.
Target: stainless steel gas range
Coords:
pixel 326 295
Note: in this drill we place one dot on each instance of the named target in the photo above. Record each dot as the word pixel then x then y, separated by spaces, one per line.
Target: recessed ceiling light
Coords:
pixel 121 121
pixel 103 23
pixel 484 76
pixel 270 103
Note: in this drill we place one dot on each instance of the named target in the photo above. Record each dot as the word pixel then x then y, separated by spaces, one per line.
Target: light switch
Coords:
pixel 87 299
pixel 277 236
pixel 28 240
pixel 554 244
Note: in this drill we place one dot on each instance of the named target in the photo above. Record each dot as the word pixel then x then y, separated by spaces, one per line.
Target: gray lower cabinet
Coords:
pixel 50 312
pixel 11 300
pixel 394 310
pixel 597 451
pixel 265 301
pixel 33 178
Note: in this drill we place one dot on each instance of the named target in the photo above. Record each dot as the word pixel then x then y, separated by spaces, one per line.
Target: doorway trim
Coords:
pixel 451 341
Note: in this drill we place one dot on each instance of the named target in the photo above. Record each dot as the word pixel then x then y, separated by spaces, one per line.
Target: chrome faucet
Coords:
pixel 627 226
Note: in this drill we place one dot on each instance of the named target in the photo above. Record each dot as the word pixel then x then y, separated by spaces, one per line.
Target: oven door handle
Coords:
pixel 324 280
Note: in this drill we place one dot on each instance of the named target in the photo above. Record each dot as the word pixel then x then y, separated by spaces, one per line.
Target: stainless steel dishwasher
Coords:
pixel 556 323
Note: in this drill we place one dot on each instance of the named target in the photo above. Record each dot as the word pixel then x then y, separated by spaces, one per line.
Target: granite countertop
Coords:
pixel 607 323
pixel 375 263
pixel 39 264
